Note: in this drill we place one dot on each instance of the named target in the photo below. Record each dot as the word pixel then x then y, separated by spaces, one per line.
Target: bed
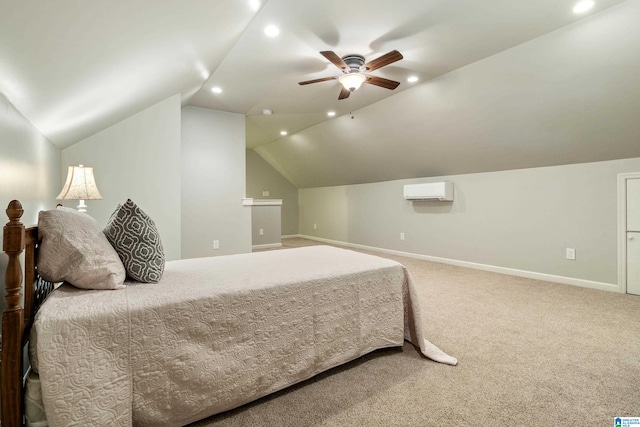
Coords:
pixel 213 334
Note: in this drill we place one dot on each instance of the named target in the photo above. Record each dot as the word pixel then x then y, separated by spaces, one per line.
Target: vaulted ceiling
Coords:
pixel 502 84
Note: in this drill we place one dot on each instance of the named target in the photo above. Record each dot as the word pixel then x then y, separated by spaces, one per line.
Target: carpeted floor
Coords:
pixel 531 353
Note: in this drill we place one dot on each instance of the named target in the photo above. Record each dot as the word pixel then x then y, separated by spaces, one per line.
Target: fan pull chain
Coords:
pixel 350 101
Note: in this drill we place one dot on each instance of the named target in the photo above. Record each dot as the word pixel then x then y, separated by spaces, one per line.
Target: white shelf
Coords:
pixel 261 202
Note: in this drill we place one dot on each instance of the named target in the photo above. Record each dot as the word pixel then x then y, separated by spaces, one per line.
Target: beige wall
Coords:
pixel 213 183
pixel 520 219
pixel 138 159
pixel 267 219
pixel 261 176
pixel 29 164
pixel 184 167
pixel 29 170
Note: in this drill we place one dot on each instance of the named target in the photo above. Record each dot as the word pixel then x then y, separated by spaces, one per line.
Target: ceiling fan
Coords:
pixel 355 71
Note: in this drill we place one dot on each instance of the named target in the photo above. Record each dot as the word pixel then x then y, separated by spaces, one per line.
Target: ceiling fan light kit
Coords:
pixel 356 72
pixel 352 81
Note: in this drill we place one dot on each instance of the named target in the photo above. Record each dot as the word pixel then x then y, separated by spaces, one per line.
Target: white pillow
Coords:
pixel 74 249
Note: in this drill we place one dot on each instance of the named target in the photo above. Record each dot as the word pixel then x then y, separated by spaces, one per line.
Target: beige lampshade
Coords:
pixel 80 185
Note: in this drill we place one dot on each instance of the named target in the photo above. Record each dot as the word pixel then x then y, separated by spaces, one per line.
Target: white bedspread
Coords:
pixel 216 333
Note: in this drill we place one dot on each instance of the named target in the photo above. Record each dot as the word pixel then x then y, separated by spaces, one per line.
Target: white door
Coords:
pixel 633 236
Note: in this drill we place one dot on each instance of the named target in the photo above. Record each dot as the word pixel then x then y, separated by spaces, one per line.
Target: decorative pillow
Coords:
pixel 74 249
pixel 135 238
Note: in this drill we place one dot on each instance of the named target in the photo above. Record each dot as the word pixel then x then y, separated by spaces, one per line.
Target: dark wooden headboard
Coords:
pixel 16 318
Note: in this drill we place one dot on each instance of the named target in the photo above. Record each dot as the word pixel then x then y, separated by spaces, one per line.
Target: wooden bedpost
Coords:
pixel 12 319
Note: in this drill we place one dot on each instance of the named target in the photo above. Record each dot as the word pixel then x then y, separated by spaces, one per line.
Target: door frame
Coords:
pixel 622 228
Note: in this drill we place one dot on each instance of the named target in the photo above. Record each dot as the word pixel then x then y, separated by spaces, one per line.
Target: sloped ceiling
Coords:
pixel 76 67
pixel 571 96
pixel 502 84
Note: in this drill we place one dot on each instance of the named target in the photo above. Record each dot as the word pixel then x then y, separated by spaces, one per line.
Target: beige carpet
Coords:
pixel 531 353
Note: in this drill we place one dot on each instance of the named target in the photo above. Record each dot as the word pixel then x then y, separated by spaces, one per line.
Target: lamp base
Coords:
pixel 81 206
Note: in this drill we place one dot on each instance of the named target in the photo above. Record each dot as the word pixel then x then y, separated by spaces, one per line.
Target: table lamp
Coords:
pixel 80 185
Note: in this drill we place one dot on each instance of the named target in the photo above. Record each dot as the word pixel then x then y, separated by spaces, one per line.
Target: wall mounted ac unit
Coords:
pixel 442 191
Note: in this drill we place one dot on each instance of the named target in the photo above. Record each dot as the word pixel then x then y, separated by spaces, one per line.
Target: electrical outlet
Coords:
pixel 571 253
pixel 315 226
pixel 401 236
pixel 216 244
pixel 262 232
pixel 265 193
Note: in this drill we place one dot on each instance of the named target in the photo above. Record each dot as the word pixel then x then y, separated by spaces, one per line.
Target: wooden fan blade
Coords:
pixel 344 93
pixel 335 59
pixel 383 60
pixel 324 79
pixel 382 82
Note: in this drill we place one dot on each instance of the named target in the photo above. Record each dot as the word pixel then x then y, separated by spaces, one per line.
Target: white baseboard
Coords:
pixel 290 236
pixel 267 246
pixel 485 267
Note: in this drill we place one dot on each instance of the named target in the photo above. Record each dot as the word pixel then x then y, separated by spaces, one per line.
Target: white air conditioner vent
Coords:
pixel 442 191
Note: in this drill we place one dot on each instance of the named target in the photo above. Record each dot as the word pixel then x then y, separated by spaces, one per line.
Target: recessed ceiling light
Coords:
pixel 283 132
pixel 583 6
pixel 267 112
pixel 412 79
pixel 271 30
pixel 254 4
pixel 331 113
pixel 216 89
